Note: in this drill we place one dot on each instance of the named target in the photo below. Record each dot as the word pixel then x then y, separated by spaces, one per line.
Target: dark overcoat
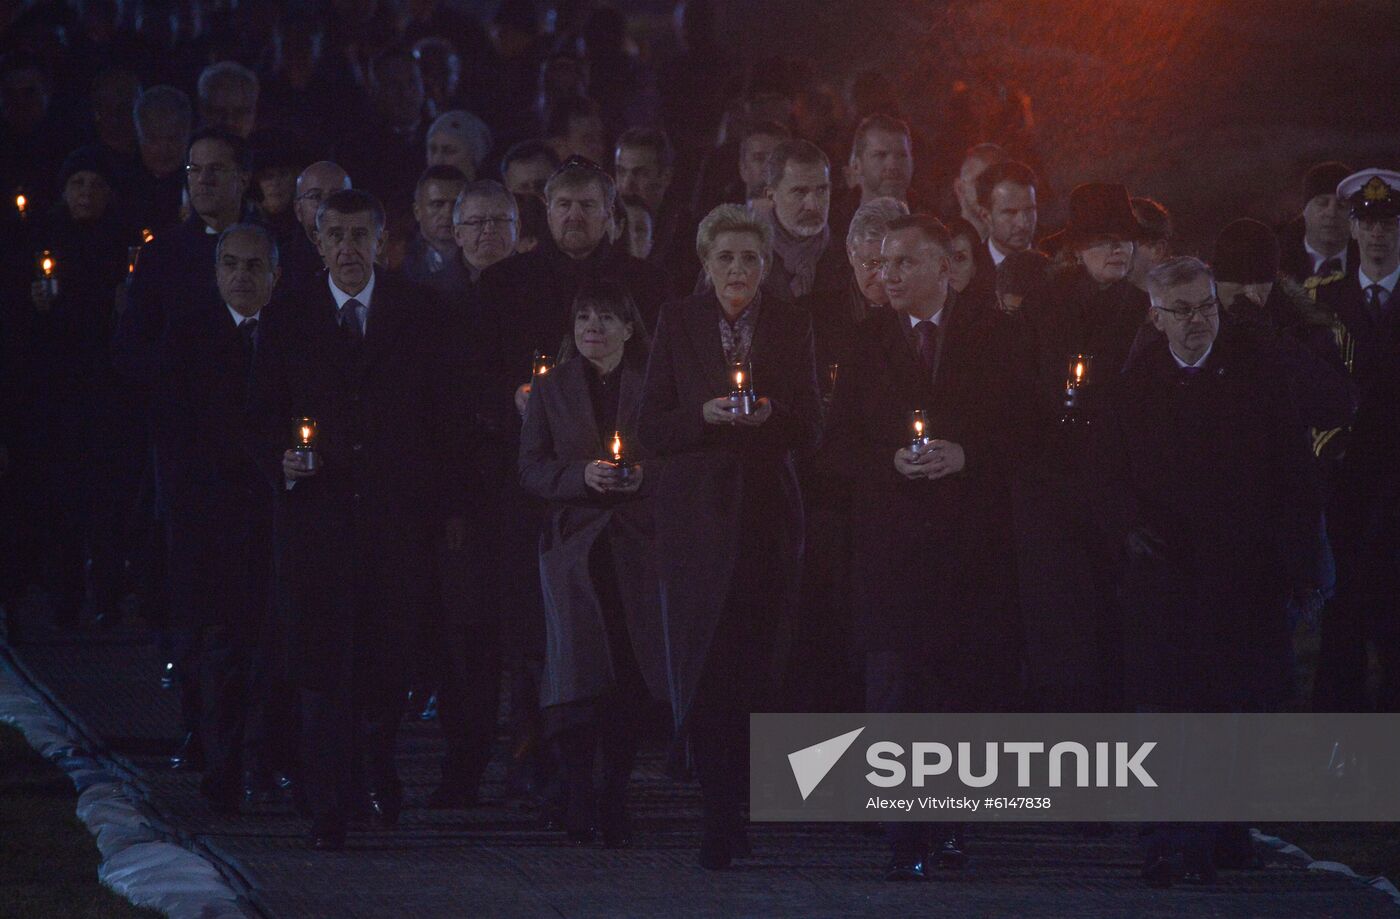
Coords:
pixel 220 507
pixel 355 543
pixel 717 481
pixel 931 566
pixel 559 438
pixel 1213 472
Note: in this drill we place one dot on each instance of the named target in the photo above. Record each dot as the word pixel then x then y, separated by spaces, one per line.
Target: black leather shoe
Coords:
pixel 328 837
pixel 906 868
pixel 189 758
pixel 716 850
pixel 950 854
pixel 1160 873
pixel 384 809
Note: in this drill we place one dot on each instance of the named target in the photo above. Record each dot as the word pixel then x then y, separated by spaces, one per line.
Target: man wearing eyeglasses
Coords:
pixel 485 225
pixel 301 260
pixel 1206 489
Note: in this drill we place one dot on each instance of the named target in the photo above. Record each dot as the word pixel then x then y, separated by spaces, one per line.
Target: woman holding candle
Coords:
pixel 579 452
pixel 729 513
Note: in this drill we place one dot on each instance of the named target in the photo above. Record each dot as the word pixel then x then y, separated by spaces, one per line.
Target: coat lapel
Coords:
pixel 387 317
pixel 701 323
pixel 577 405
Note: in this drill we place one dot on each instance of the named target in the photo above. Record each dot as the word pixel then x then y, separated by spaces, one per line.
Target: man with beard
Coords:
pixel 1006 207
pixel 882 166
pixel 433 258
pixel 1318 242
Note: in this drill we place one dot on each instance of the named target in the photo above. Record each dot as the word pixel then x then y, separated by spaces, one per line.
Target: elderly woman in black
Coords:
pixel 729 514
pixel 579 452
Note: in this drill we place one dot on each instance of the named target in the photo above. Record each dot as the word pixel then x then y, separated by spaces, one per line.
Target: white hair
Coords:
pixel 872 218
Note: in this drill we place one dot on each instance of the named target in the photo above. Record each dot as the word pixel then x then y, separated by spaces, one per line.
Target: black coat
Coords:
pixel 1214 472
pixel 931 565
pixel 355 543
pixel 559 438
pixel 220 508
pixel 722 487
pixel 1294 260
pixel 174 278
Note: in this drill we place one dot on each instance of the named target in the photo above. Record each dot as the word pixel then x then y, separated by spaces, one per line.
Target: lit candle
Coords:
pixel 918 425
pixel 832 371
pixel 305 446
pixel 1076 378
pixel 146 235
pixel 618 458
pixel 22 206
pixel 541 365
pixel 46 270
pixel 741 387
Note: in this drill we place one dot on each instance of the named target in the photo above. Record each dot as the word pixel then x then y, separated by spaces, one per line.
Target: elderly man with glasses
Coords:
pixel 1210 497
pixel 301 260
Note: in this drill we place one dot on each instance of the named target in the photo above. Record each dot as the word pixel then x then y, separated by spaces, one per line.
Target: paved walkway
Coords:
pixel 493 862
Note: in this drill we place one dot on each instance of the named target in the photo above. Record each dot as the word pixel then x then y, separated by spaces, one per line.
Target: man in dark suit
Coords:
pixel 220 510
pixel 932 583
pixel 301 260
pixel 1361 509
pixel 373 363
pixel 1206 486
pixel 174 279
pixel 1317 243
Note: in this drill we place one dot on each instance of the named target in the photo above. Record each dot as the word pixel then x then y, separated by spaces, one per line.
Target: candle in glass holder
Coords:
pixel 46 271
pixel 918 427
pixel 305 445
pixel 833 370
pixel 146 235
pixel 541 365
pixel 22 206
pixel 1076 378
pixel 741 387
pixel 619 459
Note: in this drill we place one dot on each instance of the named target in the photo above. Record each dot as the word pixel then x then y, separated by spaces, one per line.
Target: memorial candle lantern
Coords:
pixel 540 366
pixel 305 446
pixel 619 459
pixel 1076 378
pixel 46 271
pixel 918 429
pixel 22 206
pixel 741 387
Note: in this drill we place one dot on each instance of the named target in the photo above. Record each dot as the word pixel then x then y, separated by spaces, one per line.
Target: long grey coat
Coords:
pixel 560 436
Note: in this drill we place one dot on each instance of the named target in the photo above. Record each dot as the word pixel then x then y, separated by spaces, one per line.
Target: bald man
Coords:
pixel 301 259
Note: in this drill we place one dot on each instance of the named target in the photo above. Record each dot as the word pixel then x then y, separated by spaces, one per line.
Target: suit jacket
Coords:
pixel 719 481
pixel 1294 260
pixel 220 508
pixel 355 542
pixel 559 438
pixel 931 564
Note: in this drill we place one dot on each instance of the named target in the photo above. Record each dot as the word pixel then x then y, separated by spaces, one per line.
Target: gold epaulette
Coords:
pixel 1313 282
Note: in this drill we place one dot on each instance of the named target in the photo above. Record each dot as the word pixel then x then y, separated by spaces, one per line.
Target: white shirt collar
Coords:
pixel 1200 362
pixel 936 318
pixel 997 255
pixel 1388 282
pixel 341 296
pixel 1318 258
pixel 239 317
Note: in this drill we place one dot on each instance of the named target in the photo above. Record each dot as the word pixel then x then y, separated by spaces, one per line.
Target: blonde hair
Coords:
pixel 733 218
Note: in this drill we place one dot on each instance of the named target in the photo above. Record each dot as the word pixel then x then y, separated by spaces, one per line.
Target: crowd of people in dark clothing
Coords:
pixel 385 361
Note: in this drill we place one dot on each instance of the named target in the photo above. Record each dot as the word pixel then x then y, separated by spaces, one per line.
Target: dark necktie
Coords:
pixel 1189 372
pixel 1329 266
pixel 247 329
pixel 350 321
pixel 1375 301
pixel 927 331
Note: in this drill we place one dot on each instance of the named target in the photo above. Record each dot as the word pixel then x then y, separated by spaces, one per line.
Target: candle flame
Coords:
pixel 21 203
pixel 617 446
pixel 46 265
pixel 306 434
pixel 739 379
pixel 147 235
pixel 919 427
pixel 1079 371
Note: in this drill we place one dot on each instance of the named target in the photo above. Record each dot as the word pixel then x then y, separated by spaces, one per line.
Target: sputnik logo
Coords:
pixel 811 764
